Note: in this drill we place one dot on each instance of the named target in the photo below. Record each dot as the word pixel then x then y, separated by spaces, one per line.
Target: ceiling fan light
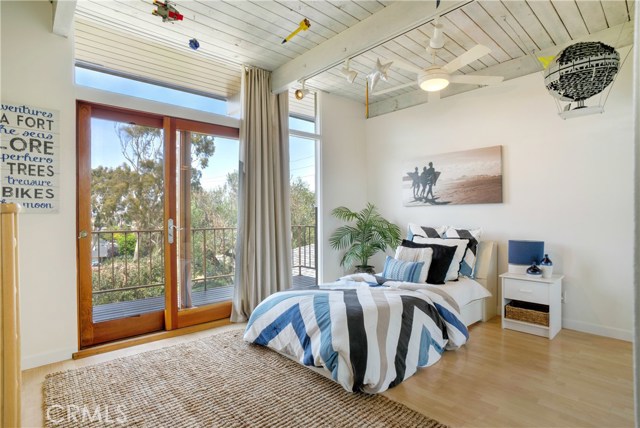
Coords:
pixel 434 84
pixel 432 81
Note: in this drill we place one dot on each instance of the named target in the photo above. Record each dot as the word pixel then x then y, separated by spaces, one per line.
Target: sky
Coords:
pixel 105 146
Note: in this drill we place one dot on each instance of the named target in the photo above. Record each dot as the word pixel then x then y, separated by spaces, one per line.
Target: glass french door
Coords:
pixel 146 230
pixel 206 216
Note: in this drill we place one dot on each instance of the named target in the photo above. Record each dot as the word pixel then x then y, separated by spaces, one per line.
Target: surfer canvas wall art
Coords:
pixel 466 177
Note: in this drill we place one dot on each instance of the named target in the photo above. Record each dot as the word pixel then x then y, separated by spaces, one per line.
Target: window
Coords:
pixel 303 147
pixel 129 85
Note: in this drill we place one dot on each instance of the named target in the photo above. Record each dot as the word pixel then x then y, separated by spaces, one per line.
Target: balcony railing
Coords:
pixel 215 262
pixel 303 249
pixel 129 265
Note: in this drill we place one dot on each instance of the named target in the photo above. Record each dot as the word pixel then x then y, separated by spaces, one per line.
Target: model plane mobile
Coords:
pixel 304 26
pixel 167 11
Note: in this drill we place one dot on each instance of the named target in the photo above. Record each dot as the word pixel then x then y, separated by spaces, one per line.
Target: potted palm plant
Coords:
pixel 370 233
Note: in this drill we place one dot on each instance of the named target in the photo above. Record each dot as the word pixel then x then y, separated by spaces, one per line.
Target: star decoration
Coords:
pixel 380 72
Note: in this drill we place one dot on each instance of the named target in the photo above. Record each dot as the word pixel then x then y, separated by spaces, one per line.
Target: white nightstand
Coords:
pixel 545 291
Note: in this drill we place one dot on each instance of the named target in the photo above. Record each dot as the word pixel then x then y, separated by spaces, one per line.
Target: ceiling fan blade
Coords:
pixel 476 52
pixel 395 88
pixel 403 65
pixel 434 96
pixel 474 79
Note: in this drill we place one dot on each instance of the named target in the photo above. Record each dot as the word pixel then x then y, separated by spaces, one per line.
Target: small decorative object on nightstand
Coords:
pixel 547 266
pixel 532 305
pixel 534 271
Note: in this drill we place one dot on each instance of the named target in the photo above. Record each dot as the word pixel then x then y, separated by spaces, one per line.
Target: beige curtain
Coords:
pixel 263 252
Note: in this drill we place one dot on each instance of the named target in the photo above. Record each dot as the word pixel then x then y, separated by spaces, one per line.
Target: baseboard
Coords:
pixel 599 330
pixel 46 358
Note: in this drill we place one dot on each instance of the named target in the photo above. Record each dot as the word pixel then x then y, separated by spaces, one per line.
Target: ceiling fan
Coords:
pixel 437 77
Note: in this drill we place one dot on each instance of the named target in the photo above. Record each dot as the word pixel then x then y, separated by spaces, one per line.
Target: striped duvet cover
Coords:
pixel 369 336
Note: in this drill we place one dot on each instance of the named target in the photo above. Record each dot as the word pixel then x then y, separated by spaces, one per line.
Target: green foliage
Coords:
pixel 126 243
pixel 303 214
pixel 303 202
pixel 202 148
pixel 132 194
pixel 131 197
pixel 370 233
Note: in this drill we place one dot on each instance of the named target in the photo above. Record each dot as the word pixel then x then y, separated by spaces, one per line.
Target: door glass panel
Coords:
pixel 207 213
pixel 302 155
pixel 127 202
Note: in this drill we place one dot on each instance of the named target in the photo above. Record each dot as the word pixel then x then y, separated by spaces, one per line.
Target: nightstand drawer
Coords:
pixel 527 291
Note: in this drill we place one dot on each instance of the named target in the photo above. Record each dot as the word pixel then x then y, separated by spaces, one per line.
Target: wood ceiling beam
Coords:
pixel 63 11
pixel 618 37
pixel 392 21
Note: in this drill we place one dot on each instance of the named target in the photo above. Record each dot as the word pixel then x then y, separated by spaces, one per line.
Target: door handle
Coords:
pixel 170 230
pixel 83 234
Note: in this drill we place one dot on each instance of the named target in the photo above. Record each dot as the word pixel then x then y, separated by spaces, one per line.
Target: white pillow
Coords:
pixel 454 267
pixel 416 255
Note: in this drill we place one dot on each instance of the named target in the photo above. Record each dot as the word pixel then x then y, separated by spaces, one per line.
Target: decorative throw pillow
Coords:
pixel 425 255
pixel 440 261
pixel 425 231
pixel 467 268
pixel 397 270
pixel 460 246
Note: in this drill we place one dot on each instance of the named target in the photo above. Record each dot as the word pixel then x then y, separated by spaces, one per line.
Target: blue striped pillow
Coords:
pixel 397 270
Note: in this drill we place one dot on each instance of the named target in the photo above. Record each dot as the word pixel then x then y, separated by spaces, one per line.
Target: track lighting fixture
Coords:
pixel 302 92
pixel 349 74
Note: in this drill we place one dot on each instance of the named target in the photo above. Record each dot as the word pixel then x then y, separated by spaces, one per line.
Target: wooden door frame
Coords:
pixel 192 316
pixel 90 333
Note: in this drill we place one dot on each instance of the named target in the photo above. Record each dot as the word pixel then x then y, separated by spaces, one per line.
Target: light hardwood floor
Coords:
pixel 501 378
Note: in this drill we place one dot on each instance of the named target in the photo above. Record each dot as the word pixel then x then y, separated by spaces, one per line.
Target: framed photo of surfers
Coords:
pixel 467 177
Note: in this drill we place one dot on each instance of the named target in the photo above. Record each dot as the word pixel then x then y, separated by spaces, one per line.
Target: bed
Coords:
pixel 369 334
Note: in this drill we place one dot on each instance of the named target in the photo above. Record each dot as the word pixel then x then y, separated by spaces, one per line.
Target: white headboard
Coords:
pixel 486 273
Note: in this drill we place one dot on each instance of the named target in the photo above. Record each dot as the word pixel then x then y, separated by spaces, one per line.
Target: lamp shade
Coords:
pixel 525 252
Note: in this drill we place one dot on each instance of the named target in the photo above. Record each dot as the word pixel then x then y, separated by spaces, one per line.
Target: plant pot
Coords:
pixel 365 269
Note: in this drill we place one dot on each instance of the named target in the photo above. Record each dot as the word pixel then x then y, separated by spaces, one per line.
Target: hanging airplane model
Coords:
pixel 167 11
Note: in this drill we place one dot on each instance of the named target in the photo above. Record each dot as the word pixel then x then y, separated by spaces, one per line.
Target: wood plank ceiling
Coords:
pixel 123 35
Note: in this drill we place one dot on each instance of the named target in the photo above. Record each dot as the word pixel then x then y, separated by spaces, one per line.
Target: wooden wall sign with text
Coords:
pixel 29 157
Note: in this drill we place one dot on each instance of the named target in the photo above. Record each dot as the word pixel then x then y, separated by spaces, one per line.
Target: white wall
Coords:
pixel 342 172
pixel 569 183
pixel 37 70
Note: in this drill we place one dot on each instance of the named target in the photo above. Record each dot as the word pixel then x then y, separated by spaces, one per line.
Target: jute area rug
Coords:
pixel 218 381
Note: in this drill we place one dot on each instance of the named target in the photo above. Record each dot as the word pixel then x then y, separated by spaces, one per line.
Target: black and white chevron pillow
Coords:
pixel 425 231
pixel 473 235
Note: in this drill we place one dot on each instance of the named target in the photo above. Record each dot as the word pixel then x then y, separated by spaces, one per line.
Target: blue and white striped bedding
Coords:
pixel 369 336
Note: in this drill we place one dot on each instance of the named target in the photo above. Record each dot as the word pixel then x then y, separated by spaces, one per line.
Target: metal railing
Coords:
pixel 129 264
pixel 220 262
pixel 303 243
